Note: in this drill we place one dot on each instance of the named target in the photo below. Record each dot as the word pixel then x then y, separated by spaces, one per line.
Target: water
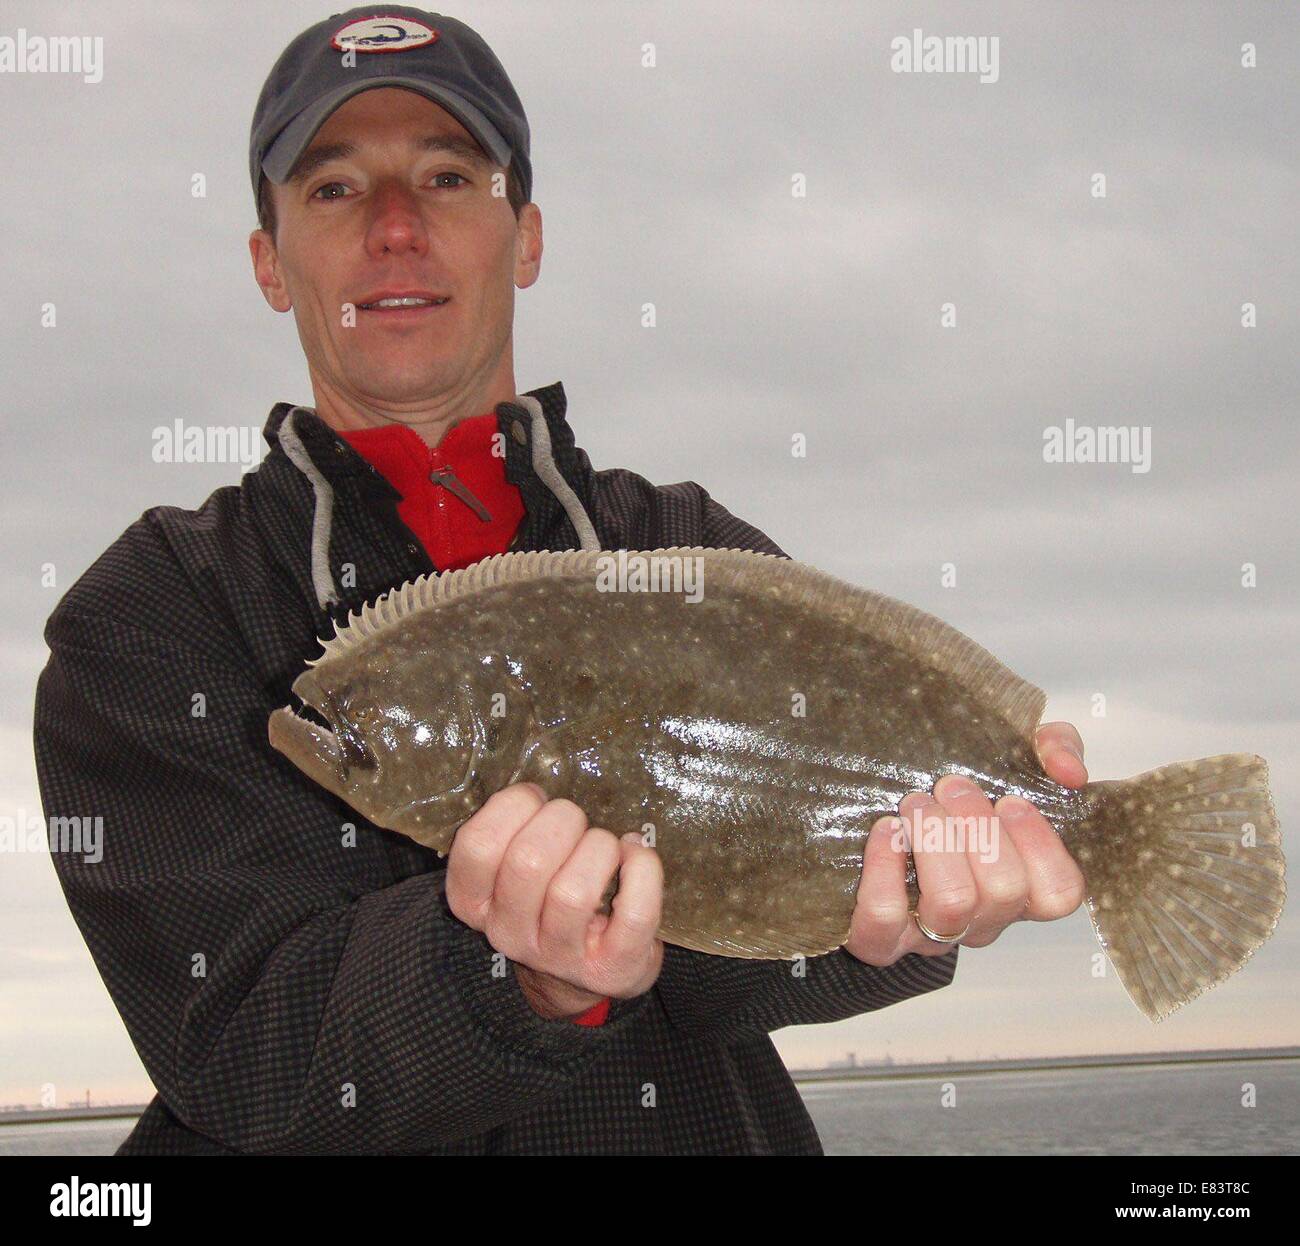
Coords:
pixel 1173 1109
pixel 101 1137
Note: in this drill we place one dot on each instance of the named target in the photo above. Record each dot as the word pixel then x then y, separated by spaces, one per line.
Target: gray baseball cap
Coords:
pixel 392 46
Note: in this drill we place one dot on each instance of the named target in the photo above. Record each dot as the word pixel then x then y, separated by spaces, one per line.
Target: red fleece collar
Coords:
pixel 449 529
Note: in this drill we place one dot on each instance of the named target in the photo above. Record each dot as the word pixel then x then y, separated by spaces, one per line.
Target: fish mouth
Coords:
pixel 312 748
pixel 327 755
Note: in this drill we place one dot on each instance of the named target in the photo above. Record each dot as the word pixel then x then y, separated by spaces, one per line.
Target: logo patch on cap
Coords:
pixel 383 34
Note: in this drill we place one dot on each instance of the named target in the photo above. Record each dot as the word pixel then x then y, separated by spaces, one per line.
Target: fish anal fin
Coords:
pixel 757 945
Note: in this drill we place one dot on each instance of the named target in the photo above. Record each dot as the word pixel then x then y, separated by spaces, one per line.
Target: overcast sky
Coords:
pixel 776 315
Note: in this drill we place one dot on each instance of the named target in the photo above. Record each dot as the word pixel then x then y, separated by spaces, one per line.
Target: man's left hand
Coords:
pixel 1033 878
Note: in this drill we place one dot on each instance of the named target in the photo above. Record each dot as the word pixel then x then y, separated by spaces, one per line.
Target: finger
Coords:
pixel 943 876
pixel 638 907
pixel 479 846
pixel 914 943
pixel 529 864
pixel 1001 883
pixel 573 896
pixel 1056 885
pixel 881 914
pixel 1060 749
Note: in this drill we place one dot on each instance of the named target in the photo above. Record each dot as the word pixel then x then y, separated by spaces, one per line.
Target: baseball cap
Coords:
pixel 369 47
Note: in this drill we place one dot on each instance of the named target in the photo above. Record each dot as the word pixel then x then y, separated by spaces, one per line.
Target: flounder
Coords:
pixel 753 728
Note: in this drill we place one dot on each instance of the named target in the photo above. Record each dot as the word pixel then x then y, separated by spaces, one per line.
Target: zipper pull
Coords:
pixel 453 484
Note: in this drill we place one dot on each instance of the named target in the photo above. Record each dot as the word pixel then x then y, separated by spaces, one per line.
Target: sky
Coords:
pixel 915 271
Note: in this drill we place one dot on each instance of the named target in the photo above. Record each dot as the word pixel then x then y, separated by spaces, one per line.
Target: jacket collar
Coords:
pixel 545 524
pixel 342 466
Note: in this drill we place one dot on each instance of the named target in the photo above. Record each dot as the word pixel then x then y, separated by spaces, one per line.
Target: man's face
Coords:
pixel 376 208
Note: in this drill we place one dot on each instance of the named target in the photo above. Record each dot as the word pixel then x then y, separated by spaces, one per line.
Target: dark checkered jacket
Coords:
pixel 288 993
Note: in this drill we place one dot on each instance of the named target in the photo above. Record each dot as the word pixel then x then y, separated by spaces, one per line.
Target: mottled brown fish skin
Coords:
pixel 757 739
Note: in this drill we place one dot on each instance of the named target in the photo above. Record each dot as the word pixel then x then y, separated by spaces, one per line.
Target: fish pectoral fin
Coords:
pixel 589 738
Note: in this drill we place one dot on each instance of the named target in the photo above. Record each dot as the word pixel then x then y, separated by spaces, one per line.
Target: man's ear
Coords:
pixel 528 246
pixel 266 270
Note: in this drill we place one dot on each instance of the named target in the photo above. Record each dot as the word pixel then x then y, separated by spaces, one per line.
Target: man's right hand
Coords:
pixel 530 874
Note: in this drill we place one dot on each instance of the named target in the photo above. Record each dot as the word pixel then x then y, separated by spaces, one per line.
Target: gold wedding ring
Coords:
pixel 938 938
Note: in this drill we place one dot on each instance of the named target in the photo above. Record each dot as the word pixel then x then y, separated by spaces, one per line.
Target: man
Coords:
pixel 294 981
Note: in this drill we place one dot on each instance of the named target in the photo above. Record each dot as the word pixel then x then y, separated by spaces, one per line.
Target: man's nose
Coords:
pixel 396 225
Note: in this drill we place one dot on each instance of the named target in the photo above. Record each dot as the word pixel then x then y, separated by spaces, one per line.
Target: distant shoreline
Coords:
pixel 42 1116
pixel 1036 1064
pixel 845 1073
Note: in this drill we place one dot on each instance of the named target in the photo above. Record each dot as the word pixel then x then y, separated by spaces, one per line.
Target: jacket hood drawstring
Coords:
pixel 322 577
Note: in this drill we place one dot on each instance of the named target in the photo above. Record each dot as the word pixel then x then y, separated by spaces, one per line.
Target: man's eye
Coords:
pixel 436 176
pixel 329 186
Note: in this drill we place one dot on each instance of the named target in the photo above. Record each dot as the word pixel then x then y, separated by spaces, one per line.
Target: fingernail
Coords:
pixel 1014 807
pixel 956 785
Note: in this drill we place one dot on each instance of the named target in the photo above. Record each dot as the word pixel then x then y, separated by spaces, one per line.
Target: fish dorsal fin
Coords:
pixel 922 635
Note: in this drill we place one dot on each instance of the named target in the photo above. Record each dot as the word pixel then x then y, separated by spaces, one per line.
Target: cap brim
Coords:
pixel 292 141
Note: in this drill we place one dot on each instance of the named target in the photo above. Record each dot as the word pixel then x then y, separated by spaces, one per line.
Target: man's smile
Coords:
pixel 402 304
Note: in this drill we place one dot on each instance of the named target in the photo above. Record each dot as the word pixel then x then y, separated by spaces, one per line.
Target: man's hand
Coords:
pixel 1032 879
pixel 530 874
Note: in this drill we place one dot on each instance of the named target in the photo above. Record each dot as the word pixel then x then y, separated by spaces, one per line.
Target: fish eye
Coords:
pixel 356 751
pixel 493 734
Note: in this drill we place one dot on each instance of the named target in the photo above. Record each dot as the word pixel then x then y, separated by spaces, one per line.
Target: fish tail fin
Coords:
pixel 1185 874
